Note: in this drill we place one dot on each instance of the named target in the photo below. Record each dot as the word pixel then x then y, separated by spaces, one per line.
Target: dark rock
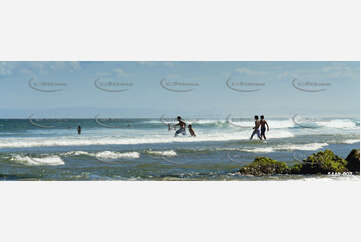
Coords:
pixel 262 166
pixel 321 162
pixel 353 161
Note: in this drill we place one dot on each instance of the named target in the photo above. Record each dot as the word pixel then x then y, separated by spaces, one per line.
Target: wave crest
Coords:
pixel 53 160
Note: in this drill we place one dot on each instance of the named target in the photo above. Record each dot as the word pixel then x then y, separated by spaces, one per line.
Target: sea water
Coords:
pixel 144 149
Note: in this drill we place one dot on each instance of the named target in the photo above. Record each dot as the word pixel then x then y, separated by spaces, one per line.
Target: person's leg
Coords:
pixel 263 133
pixel 181 130
pixel 184 132
pixel 253 133
pixel 259 134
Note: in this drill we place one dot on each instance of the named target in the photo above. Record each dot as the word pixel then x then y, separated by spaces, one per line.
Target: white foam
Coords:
pixel 311 146
pixel 280 124
pixel 338 123
pixel 350 141
pixel 279 134
pixel 141 139
pixel 48 160
pixel 116 155
pixel 168 153
pixel 105 154
pixel 76 153
pixel 259 150
pixel 203 121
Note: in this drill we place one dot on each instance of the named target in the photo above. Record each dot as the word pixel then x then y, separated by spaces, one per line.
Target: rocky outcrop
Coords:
pixel 353 161
pixel 323 162
pixel 262 166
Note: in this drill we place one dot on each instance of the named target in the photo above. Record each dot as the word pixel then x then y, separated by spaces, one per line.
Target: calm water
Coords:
pixel 144 149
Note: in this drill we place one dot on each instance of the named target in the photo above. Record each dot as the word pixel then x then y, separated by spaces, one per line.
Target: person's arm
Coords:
pixel 267 126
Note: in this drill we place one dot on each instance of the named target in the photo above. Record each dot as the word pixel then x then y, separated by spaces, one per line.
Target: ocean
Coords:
pixel 144 149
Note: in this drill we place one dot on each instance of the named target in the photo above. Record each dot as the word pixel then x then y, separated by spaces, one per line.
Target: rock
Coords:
pixel 262 166
pixel 321 162
pixel 353 161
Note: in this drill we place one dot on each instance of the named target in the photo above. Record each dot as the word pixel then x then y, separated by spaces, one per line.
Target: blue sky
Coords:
pixel 209 97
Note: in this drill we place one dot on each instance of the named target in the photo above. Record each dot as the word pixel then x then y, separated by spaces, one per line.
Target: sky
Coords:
pixel 196 89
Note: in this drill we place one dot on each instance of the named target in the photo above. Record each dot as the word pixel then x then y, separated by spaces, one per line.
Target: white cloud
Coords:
pixel 75 65
pixel 334 70
pixel 341 70
pixel 169 64
pixel 6 68
pixel 247 71
pixel 157 63
pixel 104 74
pixel 33 68
pixel 119 72
pixel 173 76
pixel 338 68
pixel 27 72
pixel 62 66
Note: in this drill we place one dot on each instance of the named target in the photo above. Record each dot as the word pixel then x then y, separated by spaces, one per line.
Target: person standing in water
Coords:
pixel 182 127
pixel 79 130
pixel 191 131
pixel 263 123
pixel 256 128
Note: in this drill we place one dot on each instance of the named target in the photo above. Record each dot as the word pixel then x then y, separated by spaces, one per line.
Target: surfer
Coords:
pixel 79 130
pixel 182 127
pixel 263 123
pixel 191 131
pixel 256 128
